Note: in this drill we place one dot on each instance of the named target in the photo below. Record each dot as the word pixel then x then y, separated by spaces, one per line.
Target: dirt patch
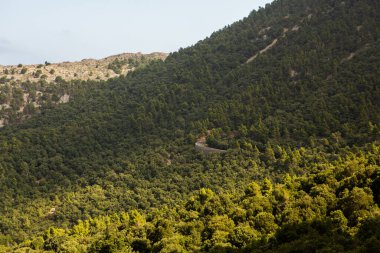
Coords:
pixel 353 54
pixel 264 30
pixel 64 99
pixel 350 57
pixel 5 106
pixel 295 28
pixel 274 42
pixel 293 73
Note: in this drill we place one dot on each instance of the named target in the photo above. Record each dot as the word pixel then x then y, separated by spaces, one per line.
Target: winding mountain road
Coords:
pixel 201 145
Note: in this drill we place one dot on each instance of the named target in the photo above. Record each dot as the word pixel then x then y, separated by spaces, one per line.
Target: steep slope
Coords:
pixel 291 89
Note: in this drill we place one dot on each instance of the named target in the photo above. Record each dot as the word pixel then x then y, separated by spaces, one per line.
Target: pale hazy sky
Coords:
pixel 35 31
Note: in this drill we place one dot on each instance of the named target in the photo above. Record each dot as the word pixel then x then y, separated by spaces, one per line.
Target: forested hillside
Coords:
pixel 26 89
pixel 291 92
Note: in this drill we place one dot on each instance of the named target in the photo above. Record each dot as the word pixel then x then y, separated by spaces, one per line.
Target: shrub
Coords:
pixel 23 71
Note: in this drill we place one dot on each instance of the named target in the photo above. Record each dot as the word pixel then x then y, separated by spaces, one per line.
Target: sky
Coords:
pixel 36 31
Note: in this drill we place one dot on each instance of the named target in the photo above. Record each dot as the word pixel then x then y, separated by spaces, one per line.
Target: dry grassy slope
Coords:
pixel 82 70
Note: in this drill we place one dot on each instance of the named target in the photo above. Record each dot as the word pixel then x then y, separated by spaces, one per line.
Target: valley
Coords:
pixel 262 137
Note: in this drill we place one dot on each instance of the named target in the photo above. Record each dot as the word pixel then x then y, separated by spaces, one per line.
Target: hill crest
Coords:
pixel 86 69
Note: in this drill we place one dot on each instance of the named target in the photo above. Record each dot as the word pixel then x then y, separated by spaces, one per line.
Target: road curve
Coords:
pixel 200 146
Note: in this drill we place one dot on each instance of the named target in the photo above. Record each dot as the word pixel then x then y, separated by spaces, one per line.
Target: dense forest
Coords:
pixel 291 92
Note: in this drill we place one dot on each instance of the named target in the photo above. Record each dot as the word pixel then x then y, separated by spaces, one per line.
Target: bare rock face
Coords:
pixel 24 89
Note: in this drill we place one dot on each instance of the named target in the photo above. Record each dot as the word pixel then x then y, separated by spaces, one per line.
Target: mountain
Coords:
pixel 26 88
pixel 289 92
